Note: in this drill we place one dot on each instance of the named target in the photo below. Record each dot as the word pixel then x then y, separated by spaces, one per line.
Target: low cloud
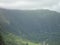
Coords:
pixel 31 4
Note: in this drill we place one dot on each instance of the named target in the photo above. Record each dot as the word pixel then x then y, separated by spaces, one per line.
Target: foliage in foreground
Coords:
pixel 11 39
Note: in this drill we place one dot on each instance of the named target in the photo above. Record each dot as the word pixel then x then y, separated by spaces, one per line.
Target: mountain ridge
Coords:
pixel 33 25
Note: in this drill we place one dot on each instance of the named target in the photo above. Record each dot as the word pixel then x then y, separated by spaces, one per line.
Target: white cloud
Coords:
pixel 30 4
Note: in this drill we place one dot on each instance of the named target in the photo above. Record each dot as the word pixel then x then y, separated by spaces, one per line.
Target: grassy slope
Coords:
pixel 11 39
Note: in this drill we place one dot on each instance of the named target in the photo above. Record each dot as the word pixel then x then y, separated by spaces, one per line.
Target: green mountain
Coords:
pixel 37 26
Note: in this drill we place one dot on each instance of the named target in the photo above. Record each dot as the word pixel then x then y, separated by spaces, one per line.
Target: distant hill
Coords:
pixel 34 25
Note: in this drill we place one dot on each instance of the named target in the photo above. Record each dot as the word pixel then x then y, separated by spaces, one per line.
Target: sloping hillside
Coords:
pixel 33 25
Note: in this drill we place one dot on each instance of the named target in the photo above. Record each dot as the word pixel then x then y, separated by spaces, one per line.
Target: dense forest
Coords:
pixel 30 27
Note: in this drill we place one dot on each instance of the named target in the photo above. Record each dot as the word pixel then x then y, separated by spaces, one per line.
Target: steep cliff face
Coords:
pixel 34 25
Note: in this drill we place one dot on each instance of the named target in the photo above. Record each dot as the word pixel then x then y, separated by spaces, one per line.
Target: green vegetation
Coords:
pixel 11 39
pixel 30 27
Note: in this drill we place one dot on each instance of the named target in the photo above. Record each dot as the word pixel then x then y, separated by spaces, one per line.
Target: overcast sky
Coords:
pixel 30 4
